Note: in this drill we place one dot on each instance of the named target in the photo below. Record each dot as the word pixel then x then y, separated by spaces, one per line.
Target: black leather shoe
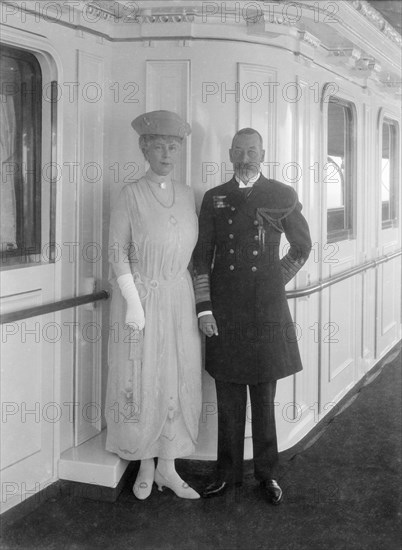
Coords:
pixel 215 489
pixel 272 491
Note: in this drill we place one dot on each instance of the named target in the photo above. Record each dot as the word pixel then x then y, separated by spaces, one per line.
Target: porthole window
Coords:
pixel 20 154
pixel 340 177
pixel 389 175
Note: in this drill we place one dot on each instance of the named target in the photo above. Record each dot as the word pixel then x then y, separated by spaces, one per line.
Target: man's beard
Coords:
pixel 247 171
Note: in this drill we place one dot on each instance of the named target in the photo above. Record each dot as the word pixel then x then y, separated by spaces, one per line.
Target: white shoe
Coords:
pixel 178 486
pixel 142 487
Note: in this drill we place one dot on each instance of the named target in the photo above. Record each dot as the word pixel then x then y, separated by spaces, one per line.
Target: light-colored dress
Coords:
pixel 153 399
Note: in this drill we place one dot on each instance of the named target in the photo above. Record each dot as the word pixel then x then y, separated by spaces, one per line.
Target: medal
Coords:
pixel 261 231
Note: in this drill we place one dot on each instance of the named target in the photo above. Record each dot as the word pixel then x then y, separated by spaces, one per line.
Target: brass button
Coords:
pixel 254 268
pixel 232 208
pixel 230 221
pixel 255 252
pixel 231 267
pixel 231 236
pixel 231 251
pixel 256 237
pixel 255 222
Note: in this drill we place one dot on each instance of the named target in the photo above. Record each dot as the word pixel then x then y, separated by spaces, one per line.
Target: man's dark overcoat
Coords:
pixel 240 277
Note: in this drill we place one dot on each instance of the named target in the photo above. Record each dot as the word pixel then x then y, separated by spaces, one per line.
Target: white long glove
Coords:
pixel 135 316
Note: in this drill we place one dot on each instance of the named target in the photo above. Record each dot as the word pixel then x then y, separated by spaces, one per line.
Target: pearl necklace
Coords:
pixel 162 186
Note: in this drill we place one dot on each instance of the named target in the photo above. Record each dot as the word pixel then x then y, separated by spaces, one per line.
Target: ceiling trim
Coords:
pixel 375 17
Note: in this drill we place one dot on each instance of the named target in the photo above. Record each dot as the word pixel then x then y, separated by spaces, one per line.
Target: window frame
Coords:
pixel 28 236
pixel 393 220
pixel 350 178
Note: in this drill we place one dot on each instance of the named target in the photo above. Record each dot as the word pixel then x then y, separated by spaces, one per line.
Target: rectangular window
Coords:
pixel 389 176
pixel 20 154
pixel 340 169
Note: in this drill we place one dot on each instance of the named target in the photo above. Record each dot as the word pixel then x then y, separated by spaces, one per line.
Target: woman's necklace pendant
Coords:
pixel 162 185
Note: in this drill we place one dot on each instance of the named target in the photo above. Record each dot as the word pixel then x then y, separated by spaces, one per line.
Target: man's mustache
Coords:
pixel 247 168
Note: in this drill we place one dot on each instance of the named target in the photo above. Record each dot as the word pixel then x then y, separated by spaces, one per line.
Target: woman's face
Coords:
pixel 162 154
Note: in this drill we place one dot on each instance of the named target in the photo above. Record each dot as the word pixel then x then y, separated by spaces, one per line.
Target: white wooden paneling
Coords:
pixel 30 412
pixel 21 359
pixel 298 410
pixel 168 88
pixel 388 303
pixel 305 390
pixel 368 224
pixel 339 324
pixel 256 100
pixel 336 336
pixel 89 237
pixel 367 306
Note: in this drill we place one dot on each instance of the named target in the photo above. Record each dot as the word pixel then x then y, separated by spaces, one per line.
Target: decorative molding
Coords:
pixel 367 64
pixel 269 17
pixel 391 83
pixel 370 13
pixel 309 38
pixel 394 86
pixel 165 18
pixel 119 12
pixel 347 57
pixel 346 52
pixel 356 60
pixel 106 10
pixel 266 21
pixel 116 12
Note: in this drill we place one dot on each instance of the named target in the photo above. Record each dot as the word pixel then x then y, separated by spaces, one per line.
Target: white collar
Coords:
pixel 250 182
pixel 155 178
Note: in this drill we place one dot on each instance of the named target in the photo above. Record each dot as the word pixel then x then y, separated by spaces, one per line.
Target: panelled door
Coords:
pixel 29 346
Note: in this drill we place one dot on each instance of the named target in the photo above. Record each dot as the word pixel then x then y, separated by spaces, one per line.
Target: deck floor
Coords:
pixel 342 490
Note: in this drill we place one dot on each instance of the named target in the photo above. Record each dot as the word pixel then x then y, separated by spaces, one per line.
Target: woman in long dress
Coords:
pixel 153 397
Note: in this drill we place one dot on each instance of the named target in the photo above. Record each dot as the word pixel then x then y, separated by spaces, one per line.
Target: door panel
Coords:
pixel 29 410
pixel 337 336
pixel 388 303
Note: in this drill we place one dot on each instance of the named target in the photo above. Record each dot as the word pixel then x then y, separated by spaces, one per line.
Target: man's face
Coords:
pixel 246 156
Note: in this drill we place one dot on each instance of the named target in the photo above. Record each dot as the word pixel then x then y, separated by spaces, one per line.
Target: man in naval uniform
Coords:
pixel 242 308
